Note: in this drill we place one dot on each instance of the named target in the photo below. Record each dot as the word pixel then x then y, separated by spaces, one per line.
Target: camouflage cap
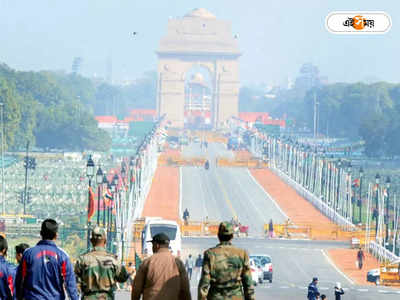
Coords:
pixel 98 232
pixel 225 228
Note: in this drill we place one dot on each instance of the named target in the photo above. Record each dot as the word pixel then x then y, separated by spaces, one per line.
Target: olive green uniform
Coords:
pixel 226 272
pixel 97 273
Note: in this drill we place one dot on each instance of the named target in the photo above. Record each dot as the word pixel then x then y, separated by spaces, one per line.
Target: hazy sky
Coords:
pixel 275 36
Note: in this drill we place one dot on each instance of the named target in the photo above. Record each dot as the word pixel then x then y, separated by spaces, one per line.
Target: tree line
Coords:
pixel 56 110
pixel 370 112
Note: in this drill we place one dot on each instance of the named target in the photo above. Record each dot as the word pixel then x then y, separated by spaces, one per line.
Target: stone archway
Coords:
pixel 198 39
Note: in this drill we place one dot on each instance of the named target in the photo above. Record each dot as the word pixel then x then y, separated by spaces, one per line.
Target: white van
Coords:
pixel 155 226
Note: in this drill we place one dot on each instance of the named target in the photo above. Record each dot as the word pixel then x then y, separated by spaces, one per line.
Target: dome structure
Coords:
pixel 200 13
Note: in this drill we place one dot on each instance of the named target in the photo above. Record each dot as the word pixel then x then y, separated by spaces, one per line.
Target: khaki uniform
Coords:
pixel 226 274
pixel 97 273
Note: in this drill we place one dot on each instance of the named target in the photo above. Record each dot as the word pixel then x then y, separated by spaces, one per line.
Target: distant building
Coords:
pixel 250 118
pixel 110 123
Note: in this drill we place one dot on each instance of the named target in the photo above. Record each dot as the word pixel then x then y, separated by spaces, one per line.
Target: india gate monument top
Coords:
pixel 198 43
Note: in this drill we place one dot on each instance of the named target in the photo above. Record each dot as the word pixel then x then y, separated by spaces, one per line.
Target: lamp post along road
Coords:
pixel 387 221
pixel 89 174
pixel 105 186
pixel 360 203
pixel 99 181
pixel 3 200
pixel 376 212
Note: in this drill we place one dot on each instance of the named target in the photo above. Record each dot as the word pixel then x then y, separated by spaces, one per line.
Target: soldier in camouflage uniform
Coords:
pixel 98 271
pixel 226 270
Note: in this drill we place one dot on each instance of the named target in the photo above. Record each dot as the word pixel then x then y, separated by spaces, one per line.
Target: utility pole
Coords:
pixel 26 176
pixel 3 201
pixel 315 115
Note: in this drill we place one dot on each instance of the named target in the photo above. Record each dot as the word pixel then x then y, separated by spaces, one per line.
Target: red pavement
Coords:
pixel 296 207
pixel 345 260
pixel 163 199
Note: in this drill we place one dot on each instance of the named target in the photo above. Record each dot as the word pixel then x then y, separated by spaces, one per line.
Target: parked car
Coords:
pixel 256 272
pixel 265 262
pixel 374 276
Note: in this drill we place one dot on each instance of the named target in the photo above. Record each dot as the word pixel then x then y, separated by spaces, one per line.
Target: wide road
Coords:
pixel 294 265
pixel 223 193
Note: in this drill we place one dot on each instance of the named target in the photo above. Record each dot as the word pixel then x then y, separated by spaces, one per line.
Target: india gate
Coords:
pixel 198 71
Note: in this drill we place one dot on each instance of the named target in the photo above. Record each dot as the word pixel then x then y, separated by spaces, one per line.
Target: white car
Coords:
pixel 374 276
pixel 256 272
pixel 156 225
pixel 265 262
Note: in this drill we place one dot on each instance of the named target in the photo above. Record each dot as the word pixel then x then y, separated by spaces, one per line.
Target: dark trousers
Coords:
pixel 190 270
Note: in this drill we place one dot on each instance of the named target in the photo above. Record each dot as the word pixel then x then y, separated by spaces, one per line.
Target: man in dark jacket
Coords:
pixel 46 270
pixel 7 273
pixel 313 292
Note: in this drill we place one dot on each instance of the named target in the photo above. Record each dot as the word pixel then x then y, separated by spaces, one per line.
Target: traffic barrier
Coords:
pixel 177 161
pixel 241 163
pixel 320 232
pixel 198 228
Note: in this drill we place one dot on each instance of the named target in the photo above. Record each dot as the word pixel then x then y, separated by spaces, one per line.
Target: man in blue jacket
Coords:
pixel 313 293
pixel 46 270
pixel 7 273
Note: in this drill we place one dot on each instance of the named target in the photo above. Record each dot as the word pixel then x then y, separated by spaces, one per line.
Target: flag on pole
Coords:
pixel 91 204
pixel 107 197
pixel 138 261
pixel 356 182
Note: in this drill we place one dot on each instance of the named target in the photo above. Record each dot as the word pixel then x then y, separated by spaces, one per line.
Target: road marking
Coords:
pixel 284 287
pixel 324 288
pixel 268 195
pixel 336 268
pixel 225 193
pixel 362 290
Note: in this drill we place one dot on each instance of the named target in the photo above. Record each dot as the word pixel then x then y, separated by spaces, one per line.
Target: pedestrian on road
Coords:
pixel 338 291
pixel 161 276
pixel 198 264
pixel 7 273
pixel 226 270
pixel 270 229
pixel 186 216
pixel 313 293
pixel 323 297
pixel 98 271
pixel 132 272
pixel 360 258
pixel 46 271
pixel 189 266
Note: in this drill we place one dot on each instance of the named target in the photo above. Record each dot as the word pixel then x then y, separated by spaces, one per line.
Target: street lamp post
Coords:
pixel 350 189
pixel 109 223
pixel 105 186
pixel 89 174
pixel 376 213
pixel 3 203
pixel 387 222
pixel 112 221
pixel 360 190
pixel 99 181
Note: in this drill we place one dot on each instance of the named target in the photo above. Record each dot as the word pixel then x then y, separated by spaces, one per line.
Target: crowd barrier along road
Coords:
pixel 178 161
pixel 191 228
pixel 319 232
pixel 197 228
pixel 242 163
